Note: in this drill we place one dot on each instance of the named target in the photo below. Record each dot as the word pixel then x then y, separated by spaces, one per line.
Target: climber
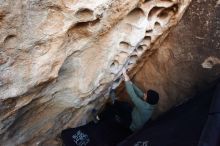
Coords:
pixel 117 121
pixel 144 104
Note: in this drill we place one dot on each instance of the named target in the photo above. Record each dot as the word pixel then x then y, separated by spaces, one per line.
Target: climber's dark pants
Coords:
pixel 119 113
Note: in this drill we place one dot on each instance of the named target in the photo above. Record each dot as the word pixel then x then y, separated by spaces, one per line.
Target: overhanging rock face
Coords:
pixel 59 57
pixel 187 61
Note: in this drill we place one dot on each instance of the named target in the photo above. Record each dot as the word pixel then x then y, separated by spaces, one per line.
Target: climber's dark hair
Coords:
pixel 152 97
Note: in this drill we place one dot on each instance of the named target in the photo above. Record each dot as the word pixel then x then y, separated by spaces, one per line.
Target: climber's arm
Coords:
pixel 138 91
pixel 134 98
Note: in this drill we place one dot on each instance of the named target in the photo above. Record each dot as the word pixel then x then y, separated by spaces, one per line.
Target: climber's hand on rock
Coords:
pixel 126 77
pixel 124 72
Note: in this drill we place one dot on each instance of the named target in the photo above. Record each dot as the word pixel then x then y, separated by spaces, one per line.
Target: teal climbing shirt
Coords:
pixel 142 110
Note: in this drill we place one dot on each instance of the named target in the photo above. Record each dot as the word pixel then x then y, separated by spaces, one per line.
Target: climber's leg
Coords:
pixel 123 110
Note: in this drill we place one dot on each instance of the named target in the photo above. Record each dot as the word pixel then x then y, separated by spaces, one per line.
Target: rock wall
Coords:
pixel 187 61
pixel 59 57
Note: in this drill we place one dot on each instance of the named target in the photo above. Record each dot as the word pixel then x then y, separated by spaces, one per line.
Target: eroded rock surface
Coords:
pixel 59 57
pixel 188 60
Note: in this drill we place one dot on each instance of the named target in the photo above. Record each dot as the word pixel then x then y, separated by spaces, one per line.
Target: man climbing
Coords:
pixel 117 121
pixel 144 104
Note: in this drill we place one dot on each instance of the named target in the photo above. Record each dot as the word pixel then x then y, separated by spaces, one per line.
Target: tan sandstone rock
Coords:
pixel 58 58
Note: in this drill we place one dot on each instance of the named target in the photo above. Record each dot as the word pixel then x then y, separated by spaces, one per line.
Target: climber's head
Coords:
pixel 152 97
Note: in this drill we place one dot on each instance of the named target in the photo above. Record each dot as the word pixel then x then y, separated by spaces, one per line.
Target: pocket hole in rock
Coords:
pixel 144 47
pixel 122 57
pixel 135 16
pixel 10 41
pixel 149 31
pixel 157 25
pixel 146 1
pixel 154 12
pixel 82 29
pixel 114 66
pixel 133 59
pixel 163 14
pixel 174 8
pixel 124 45
pixel 168 12
pixel 140 49
pixel 123 54
pixel 84 14
pixel 147 40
